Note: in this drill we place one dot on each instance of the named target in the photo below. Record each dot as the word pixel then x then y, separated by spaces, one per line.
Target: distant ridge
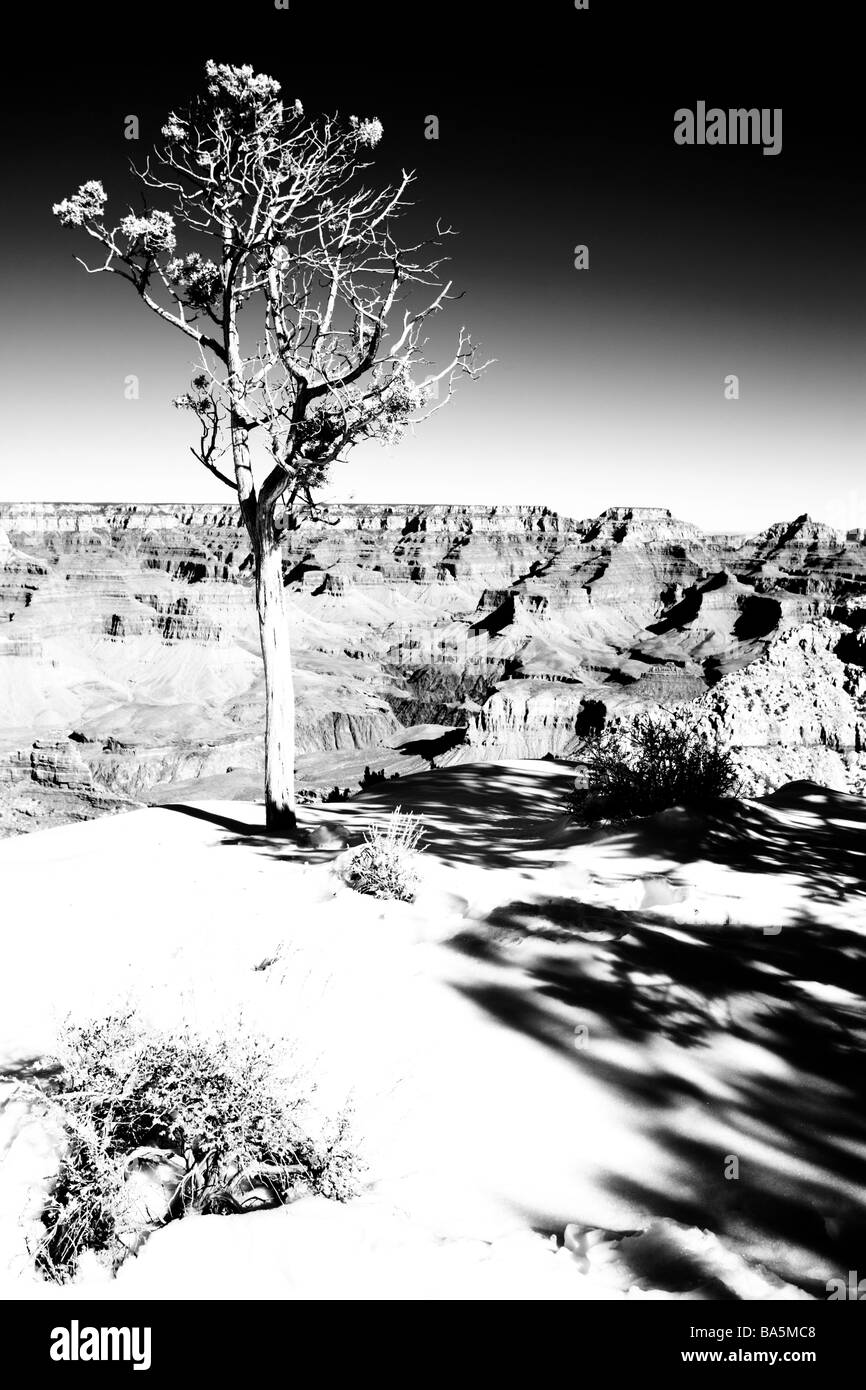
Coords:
pixel 38 516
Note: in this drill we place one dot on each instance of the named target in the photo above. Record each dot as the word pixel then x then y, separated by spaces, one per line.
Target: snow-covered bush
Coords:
pixel 160 1124
pixel 386 864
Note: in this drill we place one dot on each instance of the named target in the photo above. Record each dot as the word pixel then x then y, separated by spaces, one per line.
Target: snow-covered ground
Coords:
pixel 569 1036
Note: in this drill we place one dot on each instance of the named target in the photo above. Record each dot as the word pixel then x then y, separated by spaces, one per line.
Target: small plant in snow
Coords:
pixel 386 865
pixel 161 1124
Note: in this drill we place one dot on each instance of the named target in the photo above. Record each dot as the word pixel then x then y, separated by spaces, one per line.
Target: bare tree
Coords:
pixel 310 319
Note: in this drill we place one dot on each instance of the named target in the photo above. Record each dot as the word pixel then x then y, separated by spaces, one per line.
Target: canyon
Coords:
pixel 423 635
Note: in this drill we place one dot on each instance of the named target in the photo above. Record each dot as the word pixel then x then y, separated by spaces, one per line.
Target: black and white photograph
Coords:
pixel 432 671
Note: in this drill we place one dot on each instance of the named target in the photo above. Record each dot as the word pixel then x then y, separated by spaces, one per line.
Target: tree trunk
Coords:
pixel 279 688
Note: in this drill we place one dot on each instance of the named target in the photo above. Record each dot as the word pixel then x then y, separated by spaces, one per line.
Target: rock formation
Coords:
pixel 129 657
pixel 798 713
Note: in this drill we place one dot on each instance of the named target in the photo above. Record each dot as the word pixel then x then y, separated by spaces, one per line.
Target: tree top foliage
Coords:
pixel 271 252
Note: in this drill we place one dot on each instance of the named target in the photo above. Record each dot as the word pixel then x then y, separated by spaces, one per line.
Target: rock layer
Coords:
pixel 128 639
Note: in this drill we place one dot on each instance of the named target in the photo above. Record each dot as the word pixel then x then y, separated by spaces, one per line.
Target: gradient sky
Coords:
pixel 608 389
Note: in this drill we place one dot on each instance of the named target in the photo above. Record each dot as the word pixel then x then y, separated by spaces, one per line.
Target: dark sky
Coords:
pixel 556 128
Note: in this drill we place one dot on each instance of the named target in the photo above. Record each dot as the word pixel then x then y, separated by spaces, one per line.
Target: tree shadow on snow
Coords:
pixel 723 1042
pixel 485 814
pixel 251 829
pixel 802 830
pixel 253 835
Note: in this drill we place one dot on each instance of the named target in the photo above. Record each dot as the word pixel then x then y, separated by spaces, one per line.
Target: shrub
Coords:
pixel 385 866
pixel 161 1124
pixel 338 794
pixel 372 778
pixel 650 766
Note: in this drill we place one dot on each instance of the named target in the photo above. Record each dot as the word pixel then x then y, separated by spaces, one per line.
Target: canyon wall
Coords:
pixel 129 655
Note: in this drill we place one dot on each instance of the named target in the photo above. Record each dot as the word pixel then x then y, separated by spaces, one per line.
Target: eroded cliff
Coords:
pixel 129 658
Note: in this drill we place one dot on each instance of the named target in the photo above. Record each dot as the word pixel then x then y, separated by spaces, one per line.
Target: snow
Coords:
pixel 523 1054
